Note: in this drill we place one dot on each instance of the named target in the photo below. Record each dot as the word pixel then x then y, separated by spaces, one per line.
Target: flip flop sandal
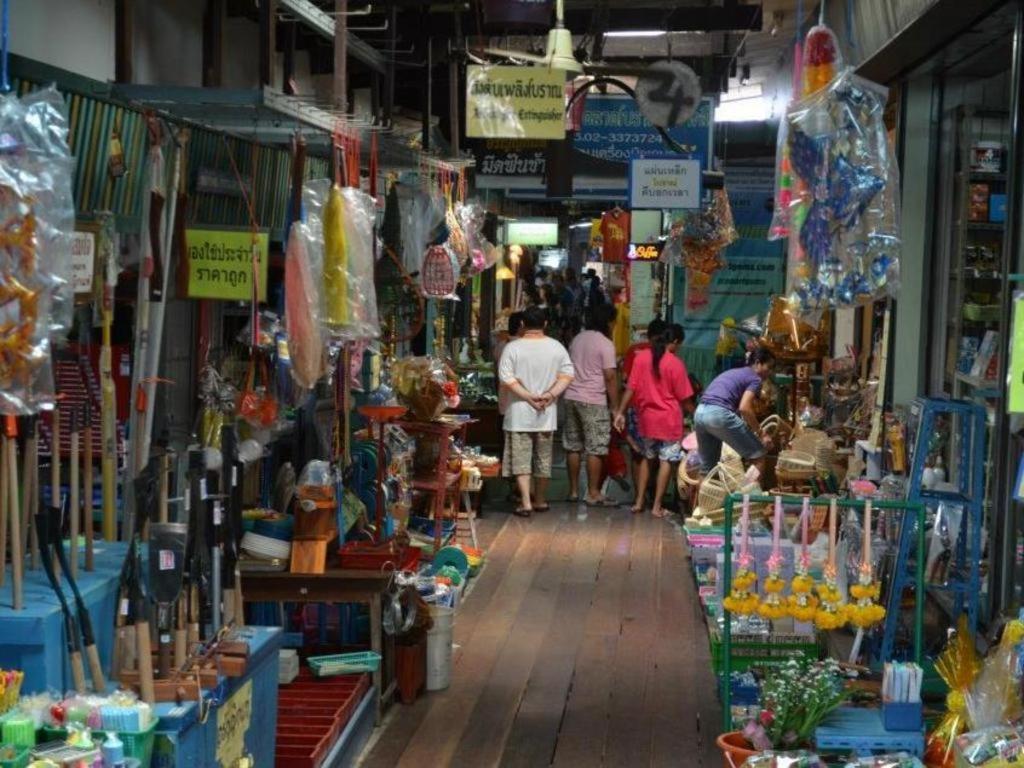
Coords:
pixel 602 502
pixel 542 508
pixel 521 512
pixel 660 513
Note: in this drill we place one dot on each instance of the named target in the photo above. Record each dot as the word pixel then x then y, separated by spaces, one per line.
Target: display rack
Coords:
pixel 726 575
pixel 977 236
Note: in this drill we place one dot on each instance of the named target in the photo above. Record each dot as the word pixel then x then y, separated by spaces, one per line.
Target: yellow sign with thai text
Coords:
pixel 233 719
pixel 220 264
pixel 515 102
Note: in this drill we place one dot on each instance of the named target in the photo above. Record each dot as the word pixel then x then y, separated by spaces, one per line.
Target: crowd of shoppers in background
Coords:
pixel 560 346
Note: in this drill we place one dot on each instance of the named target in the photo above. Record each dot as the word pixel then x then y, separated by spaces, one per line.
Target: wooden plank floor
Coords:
pixel 580 644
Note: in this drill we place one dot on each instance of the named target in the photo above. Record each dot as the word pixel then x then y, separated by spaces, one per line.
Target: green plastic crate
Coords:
pixel 137 744
pixel 20 759
pixel 754 651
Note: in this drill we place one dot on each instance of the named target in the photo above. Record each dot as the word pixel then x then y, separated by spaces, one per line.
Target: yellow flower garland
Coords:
pixel 741 600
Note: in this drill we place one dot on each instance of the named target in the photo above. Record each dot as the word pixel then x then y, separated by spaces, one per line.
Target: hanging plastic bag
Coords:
pixel 845 235
pixel 482 252
pixel 339 225
pixel 37 217
pixel 268 326
pixel 821 61
pixel 256 403
pixel 302 310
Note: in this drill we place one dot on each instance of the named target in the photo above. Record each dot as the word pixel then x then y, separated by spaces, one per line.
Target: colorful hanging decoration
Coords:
pixel 866 612
pixel 773 605
pixel 836 185
pixel 696 241
pixel 803 604
pixel 440 273
pixel 742 599
pixel 831 610
pixel 37 219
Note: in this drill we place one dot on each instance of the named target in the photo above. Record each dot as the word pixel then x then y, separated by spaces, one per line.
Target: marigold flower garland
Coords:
pixel 831 610
pixel 865 612
pixel 773 605
pixel 742 600
pixel 803 604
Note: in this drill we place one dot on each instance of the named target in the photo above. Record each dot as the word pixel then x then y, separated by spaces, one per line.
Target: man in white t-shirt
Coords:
pixel 535 370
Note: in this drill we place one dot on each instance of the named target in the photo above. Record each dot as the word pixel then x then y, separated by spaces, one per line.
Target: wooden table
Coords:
pixel 335 586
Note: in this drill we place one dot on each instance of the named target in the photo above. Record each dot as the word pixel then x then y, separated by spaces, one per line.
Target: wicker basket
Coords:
pixel 718 484
pixel 778 428
pixel 794 467
pixel 806 440
pixel 824 455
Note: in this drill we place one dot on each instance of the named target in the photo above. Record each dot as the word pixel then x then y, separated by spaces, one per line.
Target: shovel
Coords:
pixel 99 683
pixel 166 570
pixel 74 644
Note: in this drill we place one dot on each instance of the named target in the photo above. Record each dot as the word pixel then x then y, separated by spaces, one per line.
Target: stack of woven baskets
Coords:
pixel 727 477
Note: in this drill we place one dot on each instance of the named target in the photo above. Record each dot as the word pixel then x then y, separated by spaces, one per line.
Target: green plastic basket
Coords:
pixel 344 663
pixel 22 734
pixel 22 755
pixel 137 744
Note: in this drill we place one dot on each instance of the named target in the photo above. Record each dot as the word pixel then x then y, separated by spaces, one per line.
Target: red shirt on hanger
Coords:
pixel 615 236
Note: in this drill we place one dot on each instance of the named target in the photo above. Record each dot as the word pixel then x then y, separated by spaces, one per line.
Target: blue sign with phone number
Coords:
pixel 615 130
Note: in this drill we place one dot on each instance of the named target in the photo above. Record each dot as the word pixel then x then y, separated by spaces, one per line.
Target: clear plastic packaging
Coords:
pixel 994 699
pixel 422 215
pixel 821 60
pixel 269 326
pixel 844 235
pixel 339 225
pixel 482 252
pixel 897 760
pixel 799 759
pixel 425 385
pixel 37 219
pixel 302 309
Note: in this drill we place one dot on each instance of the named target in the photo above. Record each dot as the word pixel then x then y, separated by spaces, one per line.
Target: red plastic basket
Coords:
pixel 367 556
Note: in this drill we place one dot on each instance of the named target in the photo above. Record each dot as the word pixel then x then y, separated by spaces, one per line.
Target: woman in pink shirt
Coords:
pixel 658 388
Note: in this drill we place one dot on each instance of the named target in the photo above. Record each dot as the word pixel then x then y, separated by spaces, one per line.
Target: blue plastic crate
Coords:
pixel 849 729
pixel 902 716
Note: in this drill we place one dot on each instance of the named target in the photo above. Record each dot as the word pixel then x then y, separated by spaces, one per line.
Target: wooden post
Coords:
pixel 124 12
pixel 340 89
pixel 213 44
pixel 288 74
pixel 268 43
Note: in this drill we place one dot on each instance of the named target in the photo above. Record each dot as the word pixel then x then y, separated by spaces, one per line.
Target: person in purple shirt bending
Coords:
pixel 726 412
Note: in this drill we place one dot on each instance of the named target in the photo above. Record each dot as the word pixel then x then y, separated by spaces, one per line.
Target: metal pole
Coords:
pixel 1003 523
pixel 726 665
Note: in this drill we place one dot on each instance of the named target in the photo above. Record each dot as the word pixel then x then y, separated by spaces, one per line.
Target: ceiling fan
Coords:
pixel 558 52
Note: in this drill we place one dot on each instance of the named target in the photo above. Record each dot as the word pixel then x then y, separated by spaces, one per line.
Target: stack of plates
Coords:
pixel 265 547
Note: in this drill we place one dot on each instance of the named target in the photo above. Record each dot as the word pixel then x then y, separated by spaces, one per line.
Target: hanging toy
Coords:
pixel 803 604
pixel 742 599
pixel 865 612
pixel 831 610
pixel 335 261
pixel 773 606
pixel 821 57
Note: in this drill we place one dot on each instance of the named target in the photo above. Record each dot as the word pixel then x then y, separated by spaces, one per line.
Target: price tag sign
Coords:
pixel 644 251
